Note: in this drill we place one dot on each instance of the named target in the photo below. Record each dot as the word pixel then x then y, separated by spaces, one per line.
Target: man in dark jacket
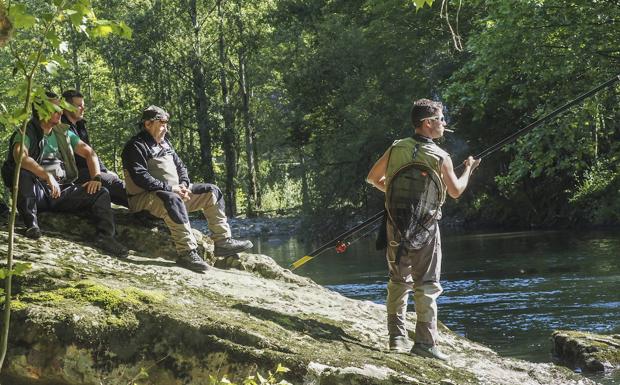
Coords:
pixel 157 182
pixel 48 171
pixel 77 124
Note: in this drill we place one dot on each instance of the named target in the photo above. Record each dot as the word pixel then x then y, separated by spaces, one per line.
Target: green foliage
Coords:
pixel 18 269
pixel 258 379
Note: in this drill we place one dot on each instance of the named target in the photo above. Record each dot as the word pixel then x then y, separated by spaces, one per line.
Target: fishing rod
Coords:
pixel 340 242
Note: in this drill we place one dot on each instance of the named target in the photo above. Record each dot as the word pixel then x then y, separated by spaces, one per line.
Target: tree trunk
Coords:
pixel 250 135
pixel 201 101
pixel 230 151
pixel 75 41
pixel 121 107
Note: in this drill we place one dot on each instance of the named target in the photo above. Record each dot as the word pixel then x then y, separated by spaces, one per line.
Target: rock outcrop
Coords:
pixel 587 351
pixel 83 317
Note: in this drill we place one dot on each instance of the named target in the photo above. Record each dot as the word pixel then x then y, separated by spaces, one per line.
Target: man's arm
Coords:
pixel 376 175
pixel 455 185
pixel 31 165
pixel 181 170
pixel 92 161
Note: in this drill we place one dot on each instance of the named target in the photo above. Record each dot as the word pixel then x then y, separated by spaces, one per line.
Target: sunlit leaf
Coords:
pixel 3 273
pixel 125 30
pixel 60 59
pixel 420 3
pixel 63 47
pixel 52 67
pixel 282 369
pixel 20 267
pixel 101 30
pixel 20 18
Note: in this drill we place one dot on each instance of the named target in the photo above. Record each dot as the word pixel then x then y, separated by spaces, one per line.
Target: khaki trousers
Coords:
pixel 173 210
pixel 416 271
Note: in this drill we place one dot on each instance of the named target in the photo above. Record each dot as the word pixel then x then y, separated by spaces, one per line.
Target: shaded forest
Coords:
pixel 286 104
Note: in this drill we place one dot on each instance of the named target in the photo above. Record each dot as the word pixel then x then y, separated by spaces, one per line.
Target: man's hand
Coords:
pixel 471 163
pixel 92 186
pixel 182 191
pixel 53 184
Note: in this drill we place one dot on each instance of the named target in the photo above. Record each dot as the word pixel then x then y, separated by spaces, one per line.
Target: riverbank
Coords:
pixel 82 317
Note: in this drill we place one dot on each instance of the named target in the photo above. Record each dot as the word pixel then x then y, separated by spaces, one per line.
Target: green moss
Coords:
pixel 18 305
pixel 112 300
pixel 42 296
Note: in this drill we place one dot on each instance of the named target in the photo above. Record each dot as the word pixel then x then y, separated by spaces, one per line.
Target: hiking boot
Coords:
pixel 192 261
pixel 400 344
pixel 33 232
pixel 428 351
pixel 112 246
pixel 229 246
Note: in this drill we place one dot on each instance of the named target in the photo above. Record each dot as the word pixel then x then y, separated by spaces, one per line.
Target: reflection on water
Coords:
pixel 508 291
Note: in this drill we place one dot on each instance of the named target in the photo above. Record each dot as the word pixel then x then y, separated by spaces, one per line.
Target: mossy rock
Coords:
pixel 83 317
pixel 587 351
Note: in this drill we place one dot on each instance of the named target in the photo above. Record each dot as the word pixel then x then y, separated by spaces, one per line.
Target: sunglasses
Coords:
pixel 441 118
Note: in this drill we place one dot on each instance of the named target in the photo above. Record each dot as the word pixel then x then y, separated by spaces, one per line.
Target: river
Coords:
pixel 508 290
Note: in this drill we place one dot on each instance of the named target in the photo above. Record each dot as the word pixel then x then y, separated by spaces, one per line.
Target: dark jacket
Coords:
pixel 79 128
pixel 137 153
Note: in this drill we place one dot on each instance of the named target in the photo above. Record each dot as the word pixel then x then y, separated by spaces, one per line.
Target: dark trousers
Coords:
pixel 34 196
pixel 113 183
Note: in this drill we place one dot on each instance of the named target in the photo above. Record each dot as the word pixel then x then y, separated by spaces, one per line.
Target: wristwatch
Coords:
pixel 96 178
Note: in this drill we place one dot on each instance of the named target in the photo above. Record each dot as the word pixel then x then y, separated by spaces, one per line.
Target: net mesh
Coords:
pixel 414 203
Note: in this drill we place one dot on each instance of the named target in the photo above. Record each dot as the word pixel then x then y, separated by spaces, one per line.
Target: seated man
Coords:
pixel 157 182
pixel 48 172
pixel 77 124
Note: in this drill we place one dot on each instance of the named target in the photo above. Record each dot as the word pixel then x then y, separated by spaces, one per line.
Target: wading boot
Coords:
pixel 428 351
pixel 33 232
pixel 229 246
pixel 193 262
pixel 400 344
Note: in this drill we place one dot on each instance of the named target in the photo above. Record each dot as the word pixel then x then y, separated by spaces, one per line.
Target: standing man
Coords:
pixel 77 124
pixel 418 271
pixel 48 172
pixel 157 181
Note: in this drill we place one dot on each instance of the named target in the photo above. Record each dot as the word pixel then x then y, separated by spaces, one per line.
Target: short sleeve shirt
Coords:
pixel 50 150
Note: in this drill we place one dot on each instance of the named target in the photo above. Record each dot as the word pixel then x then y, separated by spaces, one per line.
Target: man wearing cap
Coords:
pixel 77 124
pixel 48 171
pixel 157 181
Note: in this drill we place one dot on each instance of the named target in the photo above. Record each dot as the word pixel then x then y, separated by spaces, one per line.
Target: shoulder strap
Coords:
pixel 64 146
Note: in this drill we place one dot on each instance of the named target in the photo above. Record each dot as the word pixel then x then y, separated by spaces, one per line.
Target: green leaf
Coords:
pixel 3 273
pixel 21 267
pixel 77 18
pixel 60 60
pixel 282 369
pixel 53 38
pixel 101 30
pixel 420 3
pixel 125 30
pixel 20 18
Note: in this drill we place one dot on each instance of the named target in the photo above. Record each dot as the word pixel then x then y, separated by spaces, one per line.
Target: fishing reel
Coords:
pixel 341 246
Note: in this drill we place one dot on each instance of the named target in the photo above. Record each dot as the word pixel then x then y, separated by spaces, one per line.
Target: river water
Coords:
pixel 508 291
